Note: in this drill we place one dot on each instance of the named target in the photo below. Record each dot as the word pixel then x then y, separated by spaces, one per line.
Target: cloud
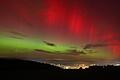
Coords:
pixel 94 45
pixel 88 46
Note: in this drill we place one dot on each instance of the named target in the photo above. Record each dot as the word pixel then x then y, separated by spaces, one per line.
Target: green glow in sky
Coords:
pixel 27 45
pixel 30 45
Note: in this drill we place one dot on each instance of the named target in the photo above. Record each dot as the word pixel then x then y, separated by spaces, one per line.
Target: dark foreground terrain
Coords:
pixel 16 64
pixel 40 70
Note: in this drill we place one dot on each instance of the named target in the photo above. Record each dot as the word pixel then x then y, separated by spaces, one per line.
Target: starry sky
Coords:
pixel 75 22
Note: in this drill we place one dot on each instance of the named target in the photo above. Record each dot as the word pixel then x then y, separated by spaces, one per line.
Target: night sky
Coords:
pixel 74 22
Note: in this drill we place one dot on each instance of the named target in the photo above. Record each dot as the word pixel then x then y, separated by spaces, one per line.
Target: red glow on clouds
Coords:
pixel 112 38
pixel 115 48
